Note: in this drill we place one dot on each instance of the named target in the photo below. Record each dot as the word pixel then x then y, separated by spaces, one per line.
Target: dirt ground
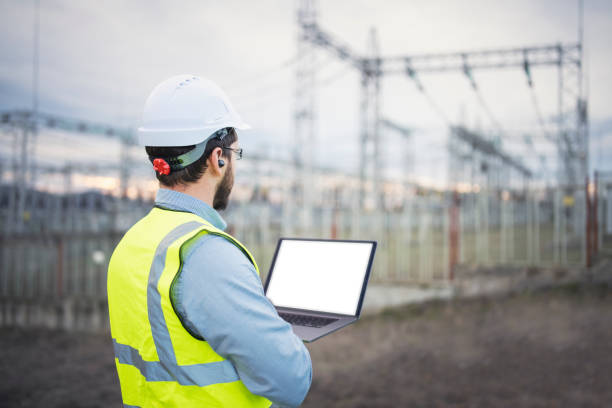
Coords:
pixel 542 349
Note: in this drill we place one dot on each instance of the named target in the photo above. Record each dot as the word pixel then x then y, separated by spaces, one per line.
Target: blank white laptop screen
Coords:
pixel 323 276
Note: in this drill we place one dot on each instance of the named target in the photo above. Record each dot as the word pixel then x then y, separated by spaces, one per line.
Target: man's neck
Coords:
pixel 202 190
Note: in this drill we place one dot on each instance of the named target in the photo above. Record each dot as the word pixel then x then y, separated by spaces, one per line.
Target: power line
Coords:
pixel 266 93
pixel 432 103
pixel 488 112
pixel 260 87
pixel 538 111
pixel 263 73
pixel 436 108
pixel 467 71
pixel 489 148
pixel 330 79
pixel 257 102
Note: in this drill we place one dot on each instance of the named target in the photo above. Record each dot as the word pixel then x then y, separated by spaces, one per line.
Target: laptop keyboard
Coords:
pixel 309 321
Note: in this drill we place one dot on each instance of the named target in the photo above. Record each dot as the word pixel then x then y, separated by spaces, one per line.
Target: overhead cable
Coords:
pixel 432 103
pixel 254 78
pixel 264 83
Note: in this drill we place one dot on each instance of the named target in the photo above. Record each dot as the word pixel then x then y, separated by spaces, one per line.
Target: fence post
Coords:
pixel 529 229
pixel 334 217
pixel 477 228
pixel 422 234
pixel 356 219
pixel 557 226
pixel 595 213
pixel 60 266
pixel 453 235
pixel 511 229
pixel 536 214
pixel 406 239
pixel 588 223
pixel 486 194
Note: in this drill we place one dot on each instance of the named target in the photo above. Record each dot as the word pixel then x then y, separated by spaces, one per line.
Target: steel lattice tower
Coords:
pixel 370 165
pixel 301 192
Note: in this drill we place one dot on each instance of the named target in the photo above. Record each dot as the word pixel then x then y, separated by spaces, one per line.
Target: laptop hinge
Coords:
pixel 312 312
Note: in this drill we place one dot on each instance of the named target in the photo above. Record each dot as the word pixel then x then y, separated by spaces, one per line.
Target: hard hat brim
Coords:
pixel 182 137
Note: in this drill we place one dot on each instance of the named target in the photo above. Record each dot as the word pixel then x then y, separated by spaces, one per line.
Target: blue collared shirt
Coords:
pixel 219 297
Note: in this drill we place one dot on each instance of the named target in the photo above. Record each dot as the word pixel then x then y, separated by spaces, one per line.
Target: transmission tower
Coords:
pixel 301 192
pixel 572 118
pixel 23 122
pixel 370 160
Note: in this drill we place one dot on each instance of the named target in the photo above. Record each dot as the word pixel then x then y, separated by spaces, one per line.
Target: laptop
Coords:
pixel 318 285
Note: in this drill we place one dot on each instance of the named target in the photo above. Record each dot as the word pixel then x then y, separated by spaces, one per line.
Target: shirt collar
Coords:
pixel 175 200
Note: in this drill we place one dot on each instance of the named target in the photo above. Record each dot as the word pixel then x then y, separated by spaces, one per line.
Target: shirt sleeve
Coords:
pixel 219 296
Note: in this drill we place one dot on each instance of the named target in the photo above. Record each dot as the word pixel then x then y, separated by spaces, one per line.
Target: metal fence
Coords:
pixel 54 255
pixel 422 240
pixel 602 212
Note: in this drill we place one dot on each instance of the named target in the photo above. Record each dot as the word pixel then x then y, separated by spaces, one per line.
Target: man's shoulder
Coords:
pixel 206 244
pixel 216 255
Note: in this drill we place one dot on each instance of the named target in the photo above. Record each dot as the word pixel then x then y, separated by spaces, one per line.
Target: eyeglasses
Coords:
pixel 237 151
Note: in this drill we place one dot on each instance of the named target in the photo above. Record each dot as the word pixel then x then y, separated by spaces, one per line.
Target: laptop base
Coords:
pixel 310 334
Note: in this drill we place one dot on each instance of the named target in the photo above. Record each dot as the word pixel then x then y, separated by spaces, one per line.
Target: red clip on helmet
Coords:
pixel 161 166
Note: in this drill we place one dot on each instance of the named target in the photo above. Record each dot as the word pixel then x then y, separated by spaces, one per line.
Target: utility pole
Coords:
pixel 35 76
pixel 370 163
pixel 582 118
pixel 22 184
pixel 29 130
pixel 408 154
pixel 301 192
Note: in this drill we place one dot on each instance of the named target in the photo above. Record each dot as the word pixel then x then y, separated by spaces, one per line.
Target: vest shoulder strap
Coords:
pixel 211 229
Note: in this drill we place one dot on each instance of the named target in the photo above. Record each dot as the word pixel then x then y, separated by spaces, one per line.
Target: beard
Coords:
pixel 224 189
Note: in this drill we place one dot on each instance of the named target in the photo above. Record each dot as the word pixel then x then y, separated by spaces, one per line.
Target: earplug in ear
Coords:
pixel 221 163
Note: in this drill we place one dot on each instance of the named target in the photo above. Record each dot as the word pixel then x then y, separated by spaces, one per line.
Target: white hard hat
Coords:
pixel 186 110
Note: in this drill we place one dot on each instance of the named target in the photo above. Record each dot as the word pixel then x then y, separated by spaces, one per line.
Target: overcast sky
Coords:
pixel 99 61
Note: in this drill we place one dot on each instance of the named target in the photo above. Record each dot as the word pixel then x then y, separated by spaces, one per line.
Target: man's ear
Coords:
pixel 214 161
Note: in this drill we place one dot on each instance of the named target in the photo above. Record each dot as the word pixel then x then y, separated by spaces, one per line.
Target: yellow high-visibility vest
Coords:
pixel 160 364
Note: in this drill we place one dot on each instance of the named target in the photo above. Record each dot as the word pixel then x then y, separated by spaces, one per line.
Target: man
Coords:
pixel 191 326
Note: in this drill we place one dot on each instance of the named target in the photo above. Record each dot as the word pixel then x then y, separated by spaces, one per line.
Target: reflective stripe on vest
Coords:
pixel 196 374
pixel 167 369
pixel 166 382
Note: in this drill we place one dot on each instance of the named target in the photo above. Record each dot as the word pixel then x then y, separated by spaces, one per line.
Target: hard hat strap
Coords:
pixel 180 162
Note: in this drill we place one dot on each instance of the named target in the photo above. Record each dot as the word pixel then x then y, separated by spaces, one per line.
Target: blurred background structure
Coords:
pixel 351 142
